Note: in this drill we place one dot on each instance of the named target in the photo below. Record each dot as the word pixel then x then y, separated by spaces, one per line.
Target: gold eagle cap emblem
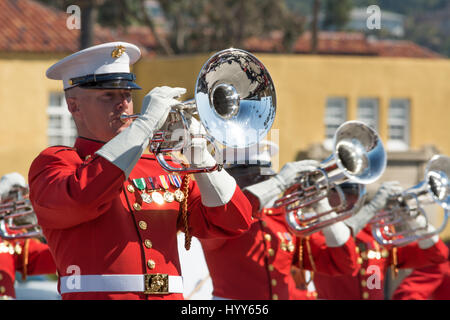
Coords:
pixel 118 51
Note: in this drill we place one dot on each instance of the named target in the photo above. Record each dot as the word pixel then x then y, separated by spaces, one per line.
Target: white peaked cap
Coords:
pixel 260 153
pixel 112 57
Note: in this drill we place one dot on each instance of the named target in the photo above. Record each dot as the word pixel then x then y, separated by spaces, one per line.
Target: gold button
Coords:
pixel 151 264
pixel 2 289
pixel 137 206
pixel 357 249
pixel 362 271
pixel 363 283
pixel 364 255
pixel 143 225
pixel 270 267
pixel 270 211
pixel 268 237
pixel 365 295
pixel 359 260
pixel 275 297
pixel 271 252
pixel 1 276
pixel 148 243
pixel 130 188
pixel 385 253
pixel 274 282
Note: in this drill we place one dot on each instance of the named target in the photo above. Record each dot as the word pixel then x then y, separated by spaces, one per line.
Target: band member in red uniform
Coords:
pixel 27 256
pixel 427 283
pixel 111 214
pixel 374 259
pixel 257 264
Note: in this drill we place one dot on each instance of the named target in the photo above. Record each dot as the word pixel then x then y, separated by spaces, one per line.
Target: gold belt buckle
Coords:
pixel 156 283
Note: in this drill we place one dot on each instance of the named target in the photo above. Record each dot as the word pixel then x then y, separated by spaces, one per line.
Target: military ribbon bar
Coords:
pixel 162 179
pixel 175 180
pixel 152 184
pixel 139 183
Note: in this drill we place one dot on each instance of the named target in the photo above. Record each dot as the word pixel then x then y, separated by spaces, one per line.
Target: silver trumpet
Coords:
pixel 17 217
pixel 390 227
pixel 235 102
pixel 358 158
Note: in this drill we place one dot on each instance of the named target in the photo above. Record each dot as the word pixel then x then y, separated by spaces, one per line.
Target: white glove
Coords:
pixel 267 190
pixel 216 187
pixel 10 180
pixel 387 190
pixel 125 149
pixel 197 152
pixel 420 222
pixel 336 234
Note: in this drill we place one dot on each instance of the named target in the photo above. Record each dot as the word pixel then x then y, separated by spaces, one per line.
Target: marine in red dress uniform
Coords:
pixel 376 260
pixel 111 214
pixel 27 256
pixel 427 283
pixel 257 264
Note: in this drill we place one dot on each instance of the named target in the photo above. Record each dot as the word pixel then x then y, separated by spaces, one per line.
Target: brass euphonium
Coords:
pixel 358 158
pixel 234 100
pixel 393 227
pixel 17 217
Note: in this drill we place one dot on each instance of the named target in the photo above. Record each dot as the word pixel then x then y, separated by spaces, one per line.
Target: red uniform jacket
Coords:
pixel 257 264
pixel 429 283
pixel 94 220
pixel 375 261
pixel 29 257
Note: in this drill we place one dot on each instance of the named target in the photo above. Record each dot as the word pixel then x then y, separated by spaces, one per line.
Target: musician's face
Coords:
pixel 96 112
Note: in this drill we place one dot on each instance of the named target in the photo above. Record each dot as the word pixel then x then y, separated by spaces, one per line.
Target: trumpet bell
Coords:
pixel 235 98
pixel 437 175
pixel 359 152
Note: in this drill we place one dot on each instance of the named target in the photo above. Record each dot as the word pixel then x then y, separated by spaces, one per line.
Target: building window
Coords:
pixel 335 115
pixel 368 112
pixel 398 122
pixel 61 128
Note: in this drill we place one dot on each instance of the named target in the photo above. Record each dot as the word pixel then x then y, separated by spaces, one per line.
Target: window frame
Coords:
pixel 375 122
pixel 405 122
pixel 66 133
pixel 329 121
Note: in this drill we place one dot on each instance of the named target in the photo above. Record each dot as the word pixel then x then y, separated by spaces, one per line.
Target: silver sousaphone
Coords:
pixel 235 102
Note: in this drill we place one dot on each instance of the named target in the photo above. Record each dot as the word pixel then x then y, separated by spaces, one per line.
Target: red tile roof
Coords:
pixel 343 43
pixel 28 26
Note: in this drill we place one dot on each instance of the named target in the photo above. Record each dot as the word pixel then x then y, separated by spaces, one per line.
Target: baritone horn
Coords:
pixel 17 217
pixel 235 102
pixel 358 158
pixel 393 227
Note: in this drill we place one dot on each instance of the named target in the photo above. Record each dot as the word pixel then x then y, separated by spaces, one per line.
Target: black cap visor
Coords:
pixel 107 81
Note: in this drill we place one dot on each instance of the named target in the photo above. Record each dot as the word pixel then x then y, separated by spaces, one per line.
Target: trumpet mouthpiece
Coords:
pixel 124 117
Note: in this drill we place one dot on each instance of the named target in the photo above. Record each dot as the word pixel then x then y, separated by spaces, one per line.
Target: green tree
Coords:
pixel 337 14
pixel 203 25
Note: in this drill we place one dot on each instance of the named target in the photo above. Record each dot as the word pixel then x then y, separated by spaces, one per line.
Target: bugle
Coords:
pixel 235 102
